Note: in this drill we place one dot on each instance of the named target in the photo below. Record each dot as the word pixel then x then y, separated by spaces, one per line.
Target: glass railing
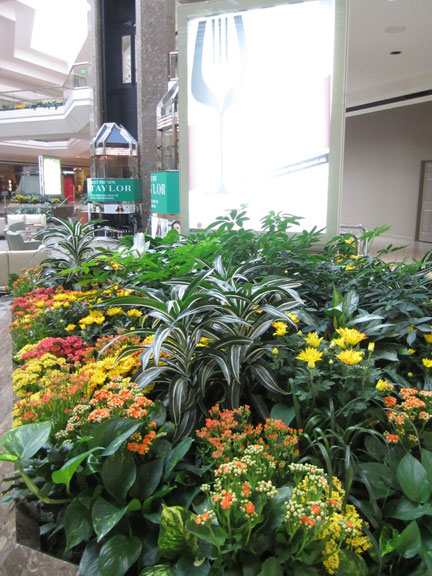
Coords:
pixel 46 97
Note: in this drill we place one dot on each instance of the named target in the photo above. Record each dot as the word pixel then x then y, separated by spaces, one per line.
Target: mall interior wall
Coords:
pixel 383 159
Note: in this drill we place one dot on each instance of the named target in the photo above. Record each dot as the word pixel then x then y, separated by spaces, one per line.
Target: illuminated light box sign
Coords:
pixel 165 192
pixel 113 190
pixel 261 114
pixel 50 176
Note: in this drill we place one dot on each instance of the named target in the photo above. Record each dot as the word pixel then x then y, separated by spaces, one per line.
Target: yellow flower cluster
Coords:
pixel 103 370
pixel 36 374
pixel 348 338
pixel 316 510
pixel 93 317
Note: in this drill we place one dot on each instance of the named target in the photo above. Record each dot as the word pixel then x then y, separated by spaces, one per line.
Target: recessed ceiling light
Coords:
pixel 395 52
pixel 395 29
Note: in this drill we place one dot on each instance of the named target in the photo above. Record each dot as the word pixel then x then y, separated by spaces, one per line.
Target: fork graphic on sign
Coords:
pixel 218 65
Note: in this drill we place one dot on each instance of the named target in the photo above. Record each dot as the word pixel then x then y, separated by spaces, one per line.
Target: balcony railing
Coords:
pixel 47 97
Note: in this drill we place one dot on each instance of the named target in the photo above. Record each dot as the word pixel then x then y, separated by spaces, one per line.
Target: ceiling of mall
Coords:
pixel 376 29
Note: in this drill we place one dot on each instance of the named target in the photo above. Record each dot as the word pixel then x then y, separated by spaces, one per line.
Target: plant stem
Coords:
pixel 33 488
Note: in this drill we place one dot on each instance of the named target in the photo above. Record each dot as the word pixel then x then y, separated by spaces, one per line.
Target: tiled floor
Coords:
pixel 19 560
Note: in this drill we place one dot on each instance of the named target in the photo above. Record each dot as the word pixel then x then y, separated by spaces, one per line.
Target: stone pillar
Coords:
pixel 95 57
pixel 155 38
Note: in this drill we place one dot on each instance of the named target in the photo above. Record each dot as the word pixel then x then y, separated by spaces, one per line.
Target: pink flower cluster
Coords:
pixel 72 348
pixel 26 303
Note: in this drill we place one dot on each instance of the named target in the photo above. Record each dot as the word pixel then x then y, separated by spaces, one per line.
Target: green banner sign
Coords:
pixel 165 192
pixel 114 190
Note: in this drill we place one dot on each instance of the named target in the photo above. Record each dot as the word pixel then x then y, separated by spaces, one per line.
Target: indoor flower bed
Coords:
pixel 228 403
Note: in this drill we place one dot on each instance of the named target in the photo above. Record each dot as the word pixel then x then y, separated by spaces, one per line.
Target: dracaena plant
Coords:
pixel 210 340
pixel 73 243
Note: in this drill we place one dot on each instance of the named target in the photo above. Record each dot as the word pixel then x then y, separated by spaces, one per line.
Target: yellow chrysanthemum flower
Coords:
pixel 411 351
pixel 351 357
pixel 428 338
pixel 351 336
pixel 427 362
pixel 313 340
pixel 114 311
pixel 340 342
pixel 293 317
pixel 70 327
pixel 94 317
pixel 310 355
pixel 134 313
pixel 383 386
pixel 280 327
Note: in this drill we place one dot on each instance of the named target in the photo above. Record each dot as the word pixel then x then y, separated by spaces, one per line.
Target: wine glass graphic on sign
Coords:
pixel 218 64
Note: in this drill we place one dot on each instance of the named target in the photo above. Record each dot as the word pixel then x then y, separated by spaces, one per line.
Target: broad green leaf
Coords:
pixel 387 540
pixel 426 460
pixel 66 472
pixel 77 524
pixel 114 445
pixel 276 513
pixel 283 412
pixel 118 554
pixel 271 567
pixel 150 554
pixel 24 441
pixel 176 454
pixel 106 515
pixel 351 301
pixel 89 565
pixel 413 479
pixel 407 510
pixel 172 536
pixel 148 477
pixel 111 433
pixel 154 500
pixel 377 476
pixel 409 542
pixel 119 473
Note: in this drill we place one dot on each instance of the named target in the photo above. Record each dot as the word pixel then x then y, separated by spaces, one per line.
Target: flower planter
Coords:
pixel 27 554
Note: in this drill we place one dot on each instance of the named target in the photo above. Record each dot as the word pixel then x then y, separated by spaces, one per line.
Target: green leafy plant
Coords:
pixel 74 243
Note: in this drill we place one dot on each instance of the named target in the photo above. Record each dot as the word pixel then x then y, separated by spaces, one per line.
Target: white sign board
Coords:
pixel 261 109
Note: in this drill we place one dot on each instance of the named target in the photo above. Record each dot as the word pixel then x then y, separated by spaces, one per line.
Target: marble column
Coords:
pixel 95 57
pixel 155 38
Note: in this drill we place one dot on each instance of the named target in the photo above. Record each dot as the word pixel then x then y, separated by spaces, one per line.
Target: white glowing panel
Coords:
pixel 50 176
pixel 258 111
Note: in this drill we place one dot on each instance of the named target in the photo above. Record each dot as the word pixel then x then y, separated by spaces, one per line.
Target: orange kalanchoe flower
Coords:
pixel 249 508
